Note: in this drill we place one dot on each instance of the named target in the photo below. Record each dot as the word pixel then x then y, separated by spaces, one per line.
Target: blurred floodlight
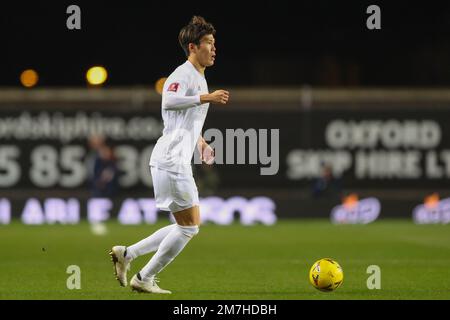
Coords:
pixel 96 75
pixel 159 85
pixel 29 78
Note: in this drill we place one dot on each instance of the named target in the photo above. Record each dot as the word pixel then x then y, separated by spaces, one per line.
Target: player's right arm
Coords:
pixel 174 97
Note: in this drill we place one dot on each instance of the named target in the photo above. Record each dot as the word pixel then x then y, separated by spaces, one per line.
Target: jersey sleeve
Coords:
pixel 174 95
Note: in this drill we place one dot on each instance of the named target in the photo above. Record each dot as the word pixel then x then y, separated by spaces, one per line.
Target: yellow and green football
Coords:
pixel 326 275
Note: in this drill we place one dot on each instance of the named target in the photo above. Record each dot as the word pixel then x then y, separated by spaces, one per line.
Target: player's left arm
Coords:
pixel 206 152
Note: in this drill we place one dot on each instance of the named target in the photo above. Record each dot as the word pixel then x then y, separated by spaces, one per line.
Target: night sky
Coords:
pixel 264 43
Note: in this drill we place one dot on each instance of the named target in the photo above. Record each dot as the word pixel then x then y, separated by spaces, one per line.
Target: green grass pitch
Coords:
pixel 233 262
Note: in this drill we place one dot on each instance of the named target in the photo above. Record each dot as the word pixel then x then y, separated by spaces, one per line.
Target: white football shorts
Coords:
pixel 173 191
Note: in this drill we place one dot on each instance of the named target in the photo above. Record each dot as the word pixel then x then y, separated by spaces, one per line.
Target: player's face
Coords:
pixel 206 52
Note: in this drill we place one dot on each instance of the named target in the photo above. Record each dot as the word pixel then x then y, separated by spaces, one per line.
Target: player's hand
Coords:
pixel 207 154
pixel 218 96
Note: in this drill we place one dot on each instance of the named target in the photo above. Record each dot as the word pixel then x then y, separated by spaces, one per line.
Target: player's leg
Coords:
pixel 178 193
pixel 186 228
pixel 122 255
pixel 149 244
pixel 188 217
pixel 162 190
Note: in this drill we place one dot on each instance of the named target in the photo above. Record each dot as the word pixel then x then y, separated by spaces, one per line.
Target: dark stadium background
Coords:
pixel 268 43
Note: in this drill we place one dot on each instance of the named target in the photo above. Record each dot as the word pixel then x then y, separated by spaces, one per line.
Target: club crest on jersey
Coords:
pixel 173 87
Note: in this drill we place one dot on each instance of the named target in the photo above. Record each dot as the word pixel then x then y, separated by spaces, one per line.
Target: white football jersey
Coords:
pixel 183 117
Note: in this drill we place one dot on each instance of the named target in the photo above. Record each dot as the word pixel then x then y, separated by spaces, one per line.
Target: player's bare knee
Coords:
pixel 188 217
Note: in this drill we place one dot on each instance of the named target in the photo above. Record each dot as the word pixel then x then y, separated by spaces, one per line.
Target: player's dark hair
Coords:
pixel 193 32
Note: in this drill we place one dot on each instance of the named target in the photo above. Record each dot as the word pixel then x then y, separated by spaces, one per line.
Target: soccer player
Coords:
pixel 185 103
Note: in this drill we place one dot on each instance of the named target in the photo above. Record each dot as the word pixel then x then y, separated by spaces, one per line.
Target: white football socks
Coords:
pixel 149 244
pixel 169 248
